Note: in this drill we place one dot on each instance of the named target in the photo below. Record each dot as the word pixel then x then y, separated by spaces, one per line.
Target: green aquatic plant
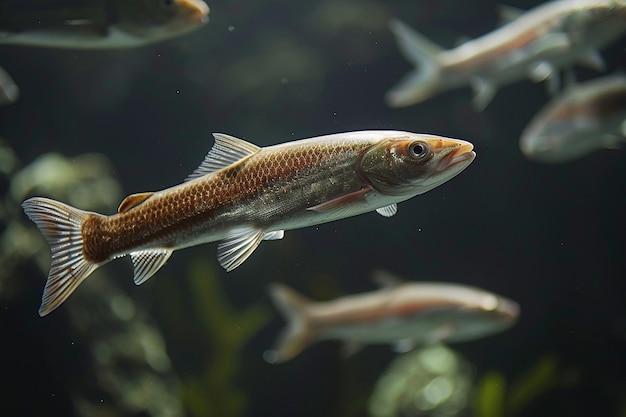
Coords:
pixel 493 397
pixel 212 390
pixel 431 380
pixel 121 349
pixel 490 395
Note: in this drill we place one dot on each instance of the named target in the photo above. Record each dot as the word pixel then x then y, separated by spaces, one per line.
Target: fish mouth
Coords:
pixel 197 10
pixel 509 309
pixel 462 153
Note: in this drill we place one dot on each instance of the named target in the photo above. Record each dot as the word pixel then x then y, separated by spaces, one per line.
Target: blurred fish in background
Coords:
pixel 9 91
pixel 584 118
pixel 93 24
pixel 534 44
pixel 401 313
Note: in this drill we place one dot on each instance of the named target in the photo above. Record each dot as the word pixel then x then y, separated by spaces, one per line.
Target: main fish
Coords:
pixel 585 117
pixel 242 194
pixel 97 24
pixel 401 313
pixel 534 44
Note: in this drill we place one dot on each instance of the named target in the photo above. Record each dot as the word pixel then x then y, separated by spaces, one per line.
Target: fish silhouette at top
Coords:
pixel 534 44
pixel 243 194
pixel 583 118
pixel 97 24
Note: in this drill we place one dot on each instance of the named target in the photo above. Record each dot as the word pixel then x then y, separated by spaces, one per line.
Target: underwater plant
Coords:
pixel 211 389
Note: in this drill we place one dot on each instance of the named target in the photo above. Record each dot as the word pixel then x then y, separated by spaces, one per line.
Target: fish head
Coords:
pixel 454 312
pixel 478 315
pixel 487 314
pixel 408 164
pixel 154 20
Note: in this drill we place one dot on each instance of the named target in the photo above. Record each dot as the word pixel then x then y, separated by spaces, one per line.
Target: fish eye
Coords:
pixel 168 4
pixel 418 150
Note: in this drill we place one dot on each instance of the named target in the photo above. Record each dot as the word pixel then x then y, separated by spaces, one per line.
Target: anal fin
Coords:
pixel 148 262
pixel 484 90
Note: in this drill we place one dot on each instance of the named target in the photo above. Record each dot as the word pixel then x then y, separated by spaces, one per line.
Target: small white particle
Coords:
pixel 231 28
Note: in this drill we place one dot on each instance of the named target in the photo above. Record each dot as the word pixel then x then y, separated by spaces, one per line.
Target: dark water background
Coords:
pixel 549 237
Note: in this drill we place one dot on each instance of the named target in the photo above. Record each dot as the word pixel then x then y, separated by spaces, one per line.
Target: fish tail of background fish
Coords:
pixel 298 334
pixel 421 82
pixel 61 225
pixel 9 91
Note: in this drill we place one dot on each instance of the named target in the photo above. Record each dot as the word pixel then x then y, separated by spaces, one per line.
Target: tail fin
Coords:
pixel 9 91
pixel 298 334
pixel 61 225
pixel 422 82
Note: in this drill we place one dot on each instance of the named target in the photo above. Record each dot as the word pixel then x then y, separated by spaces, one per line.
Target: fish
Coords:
pixel 582 119
pixel 97 24
pixel 242 194
pixel 535 44
pixel 402 313
pixel 9 91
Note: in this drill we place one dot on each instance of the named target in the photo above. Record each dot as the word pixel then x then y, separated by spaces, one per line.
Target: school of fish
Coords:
pixel 242 194
pixel 535 44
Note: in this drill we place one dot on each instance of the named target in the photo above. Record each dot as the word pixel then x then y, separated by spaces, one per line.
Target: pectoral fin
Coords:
pixel 351 348
pixel 403 345
pixel 593 60
pixel 275 235
pixel 343 202
pixel 239 244
pixel 549 44
pixel 148 262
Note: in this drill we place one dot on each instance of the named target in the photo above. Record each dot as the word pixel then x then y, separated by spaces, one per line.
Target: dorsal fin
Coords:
pixel 509 14
pixel 385 279
pixel 132 201
pixel 227 150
